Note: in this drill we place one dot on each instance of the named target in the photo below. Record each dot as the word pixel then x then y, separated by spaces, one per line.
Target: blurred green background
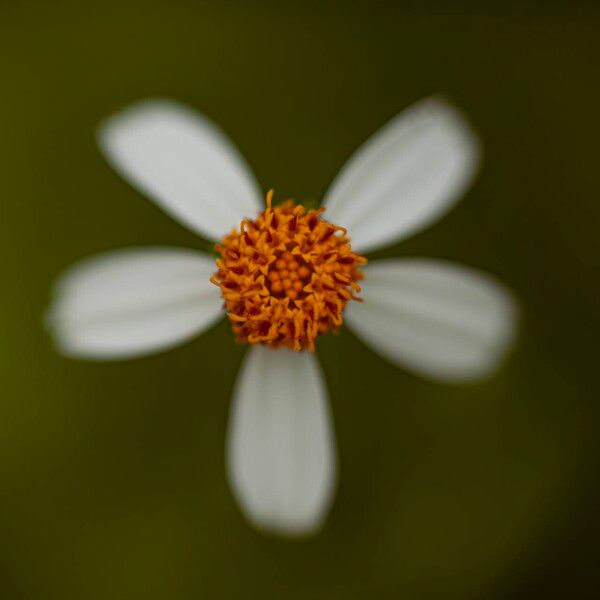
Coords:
pixel 112 484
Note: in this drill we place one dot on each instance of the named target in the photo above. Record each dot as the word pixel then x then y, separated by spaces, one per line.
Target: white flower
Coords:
pixel 440 320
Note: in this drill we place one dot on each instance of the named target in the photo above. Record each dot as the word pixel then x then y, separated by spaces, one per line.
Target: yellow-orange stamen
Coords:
pixel 286 276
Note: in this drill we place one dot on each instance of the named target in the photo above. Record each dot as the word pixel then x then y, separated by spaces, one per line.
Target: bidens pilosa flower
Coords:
pixel 284 276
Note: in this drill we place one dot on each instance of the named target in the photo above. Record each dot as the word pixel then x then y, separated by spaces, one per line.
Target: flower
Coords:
pixel 286 275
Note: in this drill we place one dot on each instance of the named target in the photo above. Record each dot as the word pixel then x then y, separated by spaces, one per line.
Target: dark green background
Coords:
pixel 112 483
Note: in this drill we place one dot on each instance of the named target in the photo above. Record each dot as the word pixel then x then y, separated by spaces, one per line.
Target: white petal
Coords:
pixel 441 320
pixel 406 176
pixel 183 162
pixel 132 302
pixel 280 443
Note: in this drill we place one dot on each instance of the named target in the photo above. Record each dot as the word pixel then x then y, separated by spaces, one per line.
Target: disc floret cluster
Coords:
pixel 287 276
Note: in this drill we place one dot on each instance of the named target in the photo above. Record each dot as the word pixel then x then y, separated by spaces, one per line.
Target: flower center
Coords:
pixel 286 276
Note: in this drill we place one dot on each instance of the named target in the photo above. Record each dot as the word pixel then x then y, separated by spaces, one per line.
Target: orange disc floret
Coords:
pixel 286 276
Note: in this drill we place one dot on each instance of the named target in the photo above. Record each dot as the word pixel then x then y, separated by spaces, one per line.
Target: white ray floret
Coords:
pixel 280 444
pixel 438 319
pixel 183 162
pixel 132 302
pixel 404 177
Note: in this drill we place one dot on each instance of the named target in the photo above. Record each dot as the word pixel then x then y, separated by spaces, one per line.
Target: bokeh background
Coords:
pixel 112 484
